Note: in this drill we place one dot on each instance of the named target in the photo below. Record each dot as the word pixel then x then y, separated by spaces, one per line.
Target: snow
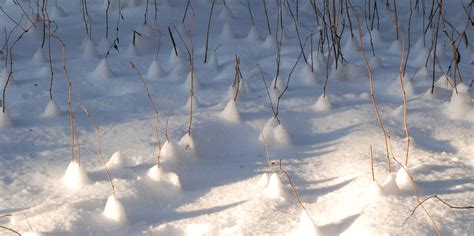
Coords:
pixel 115 211
pixel 214 178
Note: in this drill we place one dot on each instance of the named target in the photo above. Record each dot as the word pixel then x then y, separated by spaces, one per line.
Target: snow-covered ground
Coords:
pixel 217 181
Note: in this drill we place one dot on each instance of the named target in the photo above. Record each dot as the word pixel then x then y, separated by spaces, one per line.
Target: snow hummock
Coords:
pixel 5 119
pixel 274 133
pixel 195 80
pixel 187 142
pixel 373 193
pixel 253 34
pixel 308 77
pixel 115 211
pixel 103 71
pixel 168 152
pixel 263 181
pixel 280 85
pixel 227 32
pixel 395 47
pixel 274 188
pixel 157 174
pixel 323 103
pixel 230 112
pixel 270 42
pixel 75 176
pixel 422 73
pixel 403 179
pixel 155 71
pixel 195 103
pixel 375 63
pixel 389 185
pixel 89 50
pixel 39 56
pixel 306 226
pixel 115 161
pixel 461 106
pixel 281 136
pixel 52 110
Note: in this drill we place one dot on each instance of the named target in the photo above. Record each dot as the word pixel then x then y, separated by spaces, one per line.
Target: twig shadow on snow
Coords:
pixel 311 195
pixel 339 226
pixel 447 186
pixel 424 139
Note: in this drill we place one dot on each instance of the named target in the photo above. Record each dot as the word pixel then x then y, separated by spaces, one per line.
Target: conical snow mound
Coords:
pixel 253 34
pixel 39 56
pixel 187 142
pixel 52 110
pixel 422 73
pixel 75 176
pixel 306 226
pixel 103 71
pixel 230 112
pixel 460 105
pixel 155 71
pixel 169 152
pixel 375 63
pixel 57 12
pixel 263 181
pixel 373 193
pixel 274 189
pixel 389 185
pixel 194 78
pixel 116 161
pixel 281 136
pixel 89 50
pixel 227 33
pixel 308 77
pixel 194 101
pixel 157 174
pixel 403 180
pixel 115 211
pixel 5 120
pixel 270 42
pixel 323 103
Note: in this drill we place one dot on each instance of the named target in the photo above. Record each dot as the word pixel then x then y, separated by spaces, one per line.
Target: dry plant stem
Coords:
pixel 250 12
pixel 186 10
pixel 9 229
pixel 208 29
pixel 409 41
pixel 287 84
pixel 50 58
pixel 418 199
pixel 191 65
pixel 237 77
pixel 268 94
pixel 107 19
pixel 266 17
pixel 402 86
pixel 172 41
pixel 372 163
pixel 17 23
pixel 99 144
pixel 10 71
pixel 155 112
pixel 295 193
pixel 297 31
pixel 372 96
pixel 69 94
pixel 442 201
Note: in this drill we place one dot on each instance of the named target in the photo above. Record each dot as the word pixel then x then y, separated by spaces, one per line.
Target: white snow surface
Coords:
pixel 216 180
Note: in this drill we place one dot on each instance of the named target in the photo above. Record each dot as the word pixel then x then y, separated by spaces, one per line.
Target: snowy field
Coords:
pixel 301 153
